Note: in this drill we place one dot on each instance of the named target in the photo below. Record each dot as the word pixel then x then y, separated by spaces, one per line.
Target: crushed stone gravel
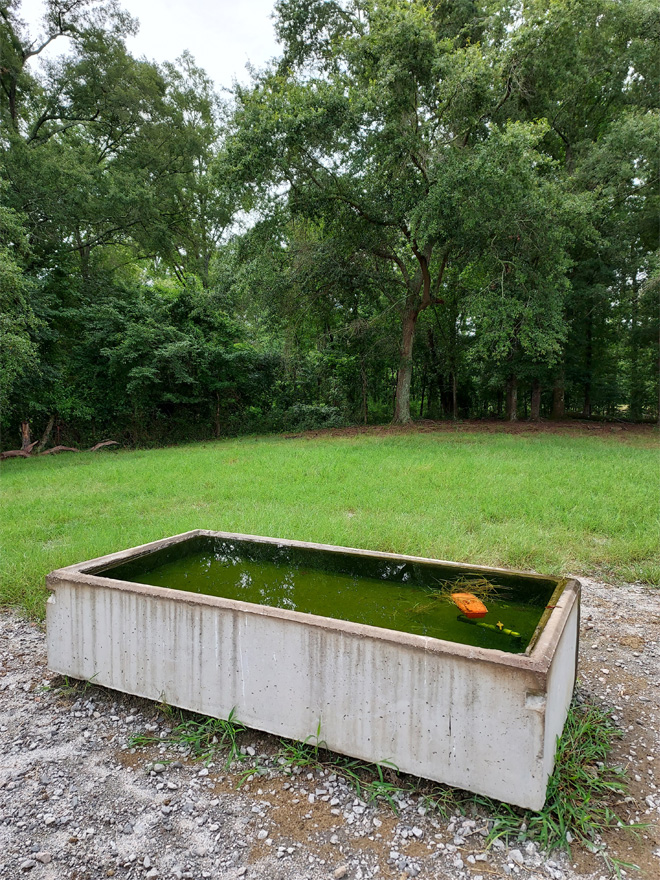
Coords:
pixel 78 801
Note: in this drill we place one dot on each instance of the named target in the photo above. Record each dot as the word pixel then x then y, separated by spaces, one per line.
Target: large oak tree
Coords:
pixel 389 121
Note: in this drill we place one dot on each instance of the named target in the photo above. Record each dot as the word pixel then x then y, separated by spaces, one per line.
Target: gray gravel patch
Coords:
pixel 77 801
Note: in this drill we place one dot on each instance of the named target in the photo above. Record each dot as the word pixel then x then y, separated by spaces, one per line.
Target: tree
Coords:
pixel 440 200
pixel 597 84
pixel 198 208
pixel 107 161
pixel 379 119
pixel 18 353
pixel 106 150
pixel 82 22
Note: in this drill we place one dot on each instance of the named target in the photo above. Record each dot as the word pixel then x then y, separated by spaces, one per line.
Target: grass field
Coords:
pixel 548 502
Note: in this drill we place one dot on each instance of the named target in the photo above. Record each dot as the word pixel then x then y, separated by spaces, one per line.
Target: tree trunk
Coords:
pixel 84 251
pixel 512 398
pixel 434 382
pixel 535 412
pixel 26 439
pixel 454 397
pixel 216 427
pixel 635 396
pixel 420 297
pixel 404 377
pixel 558 397
pixel 586 405
pixel 45 437
pixel 365 392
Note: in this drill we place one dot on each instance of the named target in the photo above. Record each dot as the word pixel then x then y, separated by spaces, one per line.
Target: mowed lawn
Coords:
pixel 552 503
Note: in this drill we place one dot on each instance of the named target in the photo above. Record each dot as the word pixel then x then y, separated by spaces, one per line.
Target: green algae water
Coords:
pixel 392 594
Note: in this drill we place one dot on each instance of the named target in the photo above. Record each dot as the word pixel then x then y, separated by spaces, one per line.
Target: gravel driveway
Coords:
pixel 77 802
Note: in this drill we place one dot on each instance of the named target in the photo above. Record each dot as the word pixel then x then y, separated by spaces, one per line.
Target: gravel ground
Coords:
pixel 77 802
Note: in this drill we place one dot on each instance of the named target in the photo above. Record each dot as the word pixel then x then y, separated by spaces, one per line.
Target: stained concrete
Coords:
pixel 478 719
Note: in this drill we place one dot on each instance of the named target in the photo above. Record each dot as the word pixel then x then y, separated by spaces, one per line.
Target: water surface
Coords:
pixel 382 593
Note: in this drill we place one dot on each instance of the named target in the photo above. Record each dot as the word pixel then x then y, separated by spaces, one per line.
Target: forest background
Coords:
pixel 441 209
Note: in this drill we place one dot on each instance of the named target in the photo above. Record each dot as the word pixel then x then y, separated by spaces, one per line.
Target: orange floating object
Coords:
pixel 469 605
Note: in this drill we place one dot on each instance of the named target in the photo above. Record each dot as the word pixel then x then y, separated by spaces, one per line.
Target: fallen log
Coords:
pixel 102 444
pixel 26 453
pixel 55 449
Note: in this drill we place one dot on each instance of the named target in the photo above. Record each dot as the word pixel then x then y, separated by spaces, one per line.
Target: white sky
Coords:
pixel 223 35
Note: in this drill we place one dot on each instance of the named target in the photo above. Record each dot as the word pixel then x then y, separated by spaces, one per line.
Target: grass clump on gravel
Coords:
pixel 201 736
pixel 583 790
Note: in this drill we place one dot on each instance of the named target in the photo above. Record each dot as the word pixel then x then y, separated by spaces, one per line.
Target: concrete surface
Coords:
pixel 478 719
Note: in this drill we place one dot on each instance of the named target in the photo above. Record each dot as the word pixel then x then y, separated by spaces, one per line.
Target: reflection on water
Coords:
pixel 401 596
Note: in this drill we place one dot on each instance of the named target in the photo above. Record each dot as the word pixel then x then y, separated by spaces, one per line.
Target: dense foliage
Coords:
pixel 445 208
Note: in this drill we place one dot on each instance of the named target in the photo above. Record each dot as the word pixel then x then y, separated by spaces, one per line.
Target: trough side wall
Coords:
pixel 560 684
pixel 458 720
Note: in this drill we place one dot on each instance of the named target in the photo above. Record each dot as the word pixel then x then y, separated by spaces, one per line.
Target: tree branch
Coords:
pixel 72 121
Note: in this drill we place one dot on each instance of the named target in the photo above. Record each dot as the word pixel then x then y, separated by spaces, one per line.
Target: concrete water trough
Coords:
pixel 483 719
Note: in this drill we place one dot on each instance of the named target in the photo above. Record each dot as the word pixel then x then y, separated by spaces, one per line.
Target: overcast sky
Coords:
pixel 223 35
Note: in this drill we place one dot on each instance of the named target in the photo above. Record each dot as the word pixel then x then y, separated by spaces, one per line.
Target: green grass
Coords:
pixel 552 503
pixel 200 735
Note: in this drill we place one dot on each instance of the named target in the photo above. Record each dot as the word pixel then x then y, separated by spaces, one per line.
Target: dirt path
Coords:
pixel 569 427
pixel 77 802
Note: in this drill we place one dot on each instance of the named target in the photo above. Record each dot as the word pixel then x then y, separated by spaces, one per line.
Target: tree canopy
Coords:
pixel 422 207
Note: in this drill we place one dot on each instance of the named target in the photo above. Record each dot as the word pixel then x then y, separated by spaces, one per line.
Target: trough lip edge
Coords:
pixel 537 662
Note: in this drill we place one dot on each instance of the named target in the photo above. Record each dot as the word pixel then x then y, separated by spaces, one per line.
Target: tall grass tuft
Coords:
pixel 582 792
